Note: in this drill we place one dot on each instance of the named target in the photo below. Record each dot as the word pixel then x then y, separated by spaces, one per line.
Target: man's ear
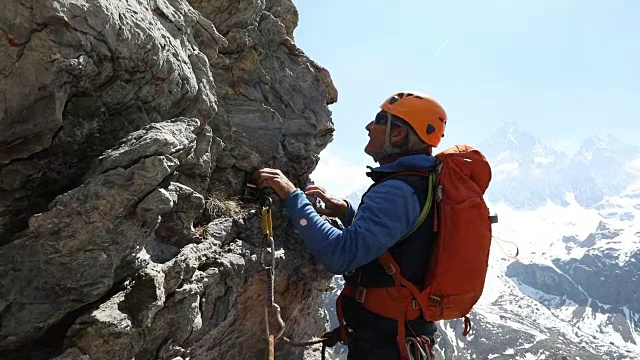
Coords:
pixel 398 135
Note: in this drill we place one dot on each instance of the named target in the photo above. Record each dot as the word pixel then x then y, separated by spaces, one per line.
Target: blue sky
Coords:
pixel 562 70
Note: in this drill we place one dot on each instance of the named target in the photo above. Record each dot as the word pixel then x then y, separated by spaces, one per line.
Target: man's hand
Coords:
pixel 333 206
pixel 274 179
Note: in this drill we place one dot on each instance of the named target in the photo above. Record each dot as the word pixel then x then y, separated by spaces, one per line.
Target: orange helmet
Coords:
pixel 425 115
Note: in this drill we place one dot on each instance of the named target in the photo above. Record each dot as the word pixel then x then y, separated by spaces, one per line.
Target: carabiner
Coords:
pixel 278 318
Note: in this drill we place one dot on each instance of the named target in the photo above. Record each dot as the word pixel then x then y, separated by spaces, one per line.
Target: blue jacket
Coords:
pixel 389 212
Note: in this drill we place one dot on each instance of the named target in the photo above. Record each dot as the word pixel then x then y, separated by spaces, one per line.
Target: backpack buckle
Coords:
pixel 360 294
pixel 414 304
pixel 435 300
pixel 389 268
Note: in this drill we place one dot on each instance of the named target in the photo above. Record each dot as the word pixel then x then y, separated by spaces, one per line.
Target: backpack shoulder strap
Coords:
pixel 427 205
pixel 430 194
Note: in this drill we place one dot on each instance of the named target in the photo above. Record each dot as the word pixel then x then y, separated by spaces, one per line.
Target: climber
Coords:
pixel 401 138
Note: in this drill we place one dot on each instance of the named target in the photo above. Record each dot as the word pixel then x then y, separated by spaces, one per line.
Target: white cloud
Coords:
pixel 338 176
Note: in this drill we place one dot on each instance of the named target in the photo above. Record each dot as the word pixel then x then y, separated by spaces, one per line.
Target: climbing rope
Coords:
pixel 328 339
pixel 514 256
pixel 268 262
pixel 269 267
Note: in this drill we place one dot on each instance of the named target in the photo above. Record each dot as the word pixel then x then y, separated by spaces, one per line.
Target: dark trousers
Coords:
pixel 374 337
pixel 366 344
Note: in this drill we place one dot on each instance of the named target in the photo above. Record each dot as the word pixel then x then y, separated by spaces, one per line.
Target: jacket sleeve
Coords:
pixel 347 219
pixel 387 213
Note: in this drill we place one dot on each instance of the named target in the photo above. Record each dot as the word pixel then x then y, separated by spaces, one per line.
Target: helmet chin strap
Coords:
pixel 388 149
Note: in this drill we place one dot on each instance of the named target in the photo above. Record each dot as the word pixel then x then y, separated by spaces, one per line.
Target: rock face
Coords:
pixel 601 276
pixel 546 279
pixel 129 130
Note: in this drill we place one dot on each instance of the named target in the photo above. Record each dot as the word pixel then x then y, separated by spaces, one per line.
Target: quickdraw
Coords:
pixel 268 262
pixel 419 348
pixel 269 267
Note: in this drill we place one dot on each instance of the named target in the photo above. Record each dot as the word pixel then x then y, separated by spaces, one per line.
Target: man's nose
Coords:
pixel 369 125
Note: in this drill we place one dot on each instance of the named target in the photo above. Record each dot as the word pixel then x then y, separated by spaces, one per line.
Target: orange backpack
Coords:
pixel 458 267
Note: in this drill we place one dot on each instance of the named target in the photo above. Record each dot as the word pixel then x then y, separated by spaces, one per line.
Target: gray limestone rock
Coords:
pixel 79 76
pixel 129 130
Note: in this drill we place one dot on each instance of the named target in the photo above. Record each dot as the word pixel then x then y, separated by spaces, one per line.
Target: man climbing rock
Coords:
pixel 395 215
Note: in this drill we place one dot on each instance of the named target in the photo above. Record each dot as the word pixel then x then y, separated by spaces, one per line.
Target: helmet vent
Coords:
pixel 409 94
pixel 418 97
pixel 442 120
pixel 393 100
pixel 430 129
pixel 400 95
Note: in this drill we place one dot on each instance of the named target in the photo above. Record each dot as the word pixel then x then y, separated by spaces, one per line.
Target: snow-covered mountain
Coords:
pixel 600 168
pixel 521 161
pixel 574 290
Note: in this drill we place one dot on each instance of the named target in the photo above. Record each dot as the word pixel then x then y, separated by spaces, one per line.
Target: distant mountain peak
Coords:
pixel 510 143
pixel 511 129
pixel 508 127
pixel 528 173
pixel 601 142
pixel 605 149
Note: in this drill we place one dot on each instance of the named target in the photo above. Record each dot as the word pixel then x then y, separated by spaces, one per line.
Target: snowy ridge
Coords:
pixel 541 236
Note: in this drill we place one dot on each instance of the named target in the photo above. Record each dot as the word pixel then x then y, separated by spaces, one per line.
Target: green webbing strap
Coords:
pixel 427 206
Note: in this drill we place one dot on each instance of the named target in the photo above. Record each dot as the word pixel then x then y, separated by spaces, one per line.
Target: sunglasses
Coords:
pixel 381 119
